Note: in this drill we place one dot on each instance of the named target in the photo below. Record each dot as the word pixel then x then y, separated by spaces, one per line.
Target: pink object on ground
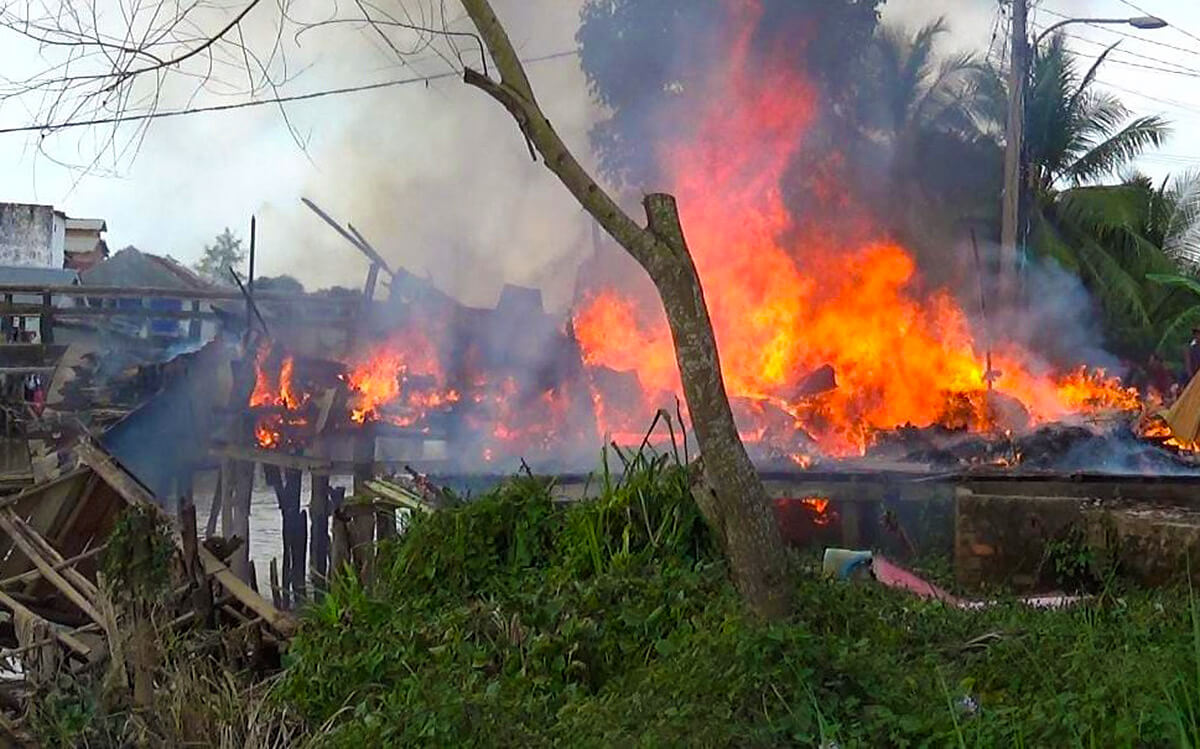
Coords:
pixel 898 577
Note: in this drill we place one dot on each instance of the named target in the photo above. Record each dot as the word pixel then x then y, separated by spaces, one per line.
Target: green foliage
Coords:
pixel 510 622
pixel 225 253
pixel 136 560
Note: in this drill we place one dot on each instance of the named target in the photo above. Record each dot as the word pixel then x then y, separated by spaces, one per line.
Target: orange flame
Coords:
pixel 786 299
pixel 819 507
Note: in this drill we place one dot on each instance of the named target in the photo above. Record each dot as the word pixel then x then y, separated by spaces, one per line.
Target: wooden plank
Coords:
pixel 279 620
pixel 272 457
pixel 386 491
pixel 34 574
pixel 51 575
pixel 86 586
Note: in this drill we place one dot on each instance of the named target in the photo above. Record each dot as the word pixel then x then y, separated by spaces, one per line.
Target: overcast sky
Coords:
pixel 437 176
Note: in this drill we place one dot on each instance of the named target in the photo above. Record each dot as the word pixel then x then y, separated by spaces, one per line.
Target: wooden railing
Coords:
pixel 98 302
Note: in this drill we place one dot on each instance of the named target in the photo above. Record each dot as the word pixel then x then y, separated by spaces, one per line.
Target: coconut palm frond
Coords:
pixel 1118 150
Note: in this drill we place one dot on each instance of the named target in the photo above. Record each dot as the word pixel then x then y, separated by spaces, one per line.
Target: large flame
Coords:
pixel 786 300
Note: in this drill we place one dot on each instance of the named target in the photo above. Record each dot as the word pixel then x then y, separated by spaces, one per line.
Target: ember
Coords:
pixel 819 507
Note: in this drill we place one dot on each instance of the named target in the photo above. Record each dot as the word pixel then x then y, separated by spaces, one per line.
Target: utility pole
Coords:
pixel 1013 167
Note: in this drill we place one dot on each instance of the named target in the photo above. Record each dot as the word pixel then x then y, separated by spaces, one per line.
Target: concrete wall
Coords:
pixel 31 235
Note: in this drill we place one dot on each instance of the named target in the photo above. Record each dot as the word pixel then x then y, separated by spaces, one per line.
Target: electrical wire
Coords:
pixel 48 128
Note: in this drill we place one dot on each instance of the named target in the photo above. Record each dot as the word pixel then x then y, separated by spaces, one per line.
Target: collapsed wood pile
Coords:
pixel 1115 447
pixel 59 615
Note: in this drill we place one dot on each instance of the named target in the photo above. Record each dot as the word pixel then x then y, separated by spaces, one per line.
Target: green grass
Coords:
pixel 507 622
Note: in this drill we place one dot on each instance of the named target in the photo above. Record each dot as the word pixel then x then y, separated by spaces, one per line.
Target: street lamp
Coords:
pixel 1146 23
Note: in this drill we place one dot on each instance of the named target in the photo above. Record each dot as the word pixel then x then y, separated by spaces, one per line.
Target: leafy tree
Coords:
pixel 283 284
pixel 219 257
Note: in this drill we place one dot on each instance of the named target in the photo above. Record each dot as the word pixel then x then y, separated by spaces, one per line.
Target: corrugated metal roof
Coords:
pixel 26 275
pixel 131 267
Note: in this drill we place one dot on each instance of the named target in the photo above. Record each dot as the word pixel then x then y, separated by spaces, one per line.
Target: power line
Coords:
pixel 54 127
pixel 1127 35
pixel 1143 11
pixel 1128 53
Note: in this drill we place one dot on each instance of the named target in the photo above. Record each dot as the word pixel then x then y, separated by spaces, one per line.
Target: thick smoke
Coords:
pixel 437 175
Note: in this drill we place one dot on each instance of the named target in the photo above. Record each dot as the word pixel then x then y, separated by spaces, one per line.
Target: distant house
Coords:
pixel 84 246
pixel 134 269
pixel 38 236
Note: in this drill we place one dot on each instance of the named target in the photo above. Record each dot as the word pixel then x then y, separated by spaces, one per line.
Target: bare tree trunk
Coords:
pixel 733 501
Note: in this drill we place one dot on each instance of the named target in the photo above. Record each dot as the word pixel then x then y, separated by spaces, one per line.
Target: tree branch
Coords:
pixel 515 93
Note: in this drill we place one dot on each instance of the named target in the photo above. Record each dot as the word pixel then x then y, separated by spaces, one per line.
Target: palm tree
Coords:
pixel 927 113
pixel 913 91
pixel 1077 135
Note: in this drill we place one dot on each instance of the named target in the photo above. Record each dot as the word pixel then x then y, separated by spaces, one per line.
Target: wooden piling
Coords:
pixel 202 601
pixel 243 486
pixel 299 557
pixel 339 553
pixel 318 509
pixel 294 532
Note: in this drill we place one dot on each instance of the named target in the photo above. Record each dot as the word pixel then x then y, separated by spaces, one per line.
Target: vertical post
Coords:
pixel 293 533
pixel 299 567
pixel 243 488
pixel 1013 152
pixel 318 510
pixel 195 323
pixel 250 280
pixel 202 601
pixel 218 502
pixel 226 493
pixel 46 328
pixel 6 323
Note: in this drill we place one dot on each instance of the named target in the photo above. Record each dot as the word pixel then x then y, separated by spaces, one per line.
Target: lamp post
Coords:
pixel 1014 158
pixel 1145 23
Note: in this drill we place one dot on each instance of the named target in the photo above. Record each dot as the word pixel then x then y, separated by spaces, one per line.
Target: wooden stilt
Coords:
pixel 299 557
pixel 339 553
pixel 225 490
pixel 243 487
pixel 318 511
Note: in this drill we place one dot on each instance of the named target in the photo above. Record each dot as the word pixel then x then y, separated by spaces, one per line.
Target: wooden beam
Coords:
pixel 39 310
pixel 35 574
pixel 361 246
pixel 76 578
pixel 271 457
pixel 141 292
pixel 49 574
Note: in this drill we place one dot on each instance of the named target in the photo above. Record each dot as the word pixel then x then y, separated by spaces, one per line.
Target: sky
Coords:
pixel 436 175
